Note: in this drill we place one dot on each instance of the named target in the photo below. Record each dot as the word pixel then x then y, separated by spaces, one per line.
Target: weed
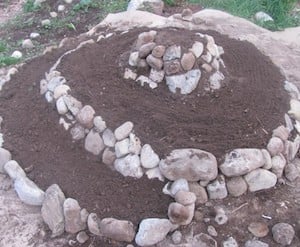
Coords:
pixel 6 60
pixel 3 46
pixel 29 6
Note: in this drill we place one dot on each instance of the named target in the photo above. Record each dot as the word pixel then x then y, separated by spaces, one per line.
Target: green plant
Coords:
pixel 170 2
pixel 6 61
pixel 3 46
pixel 29 6
pixel 85 5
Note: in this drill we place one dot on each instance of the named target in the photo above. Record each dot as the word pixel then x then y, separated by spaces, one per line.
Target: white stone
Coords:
pixel 28 191
pixel 155 173
pixel 263 17
pixel 275 146
pixel 34 35
pixel 53 14
pixel 108 157
pixel 17 54
pixel 123 131
pixel 204 240
pixel 93 224
pixel 68 1
pixel 129 74
pixel 176 237
pixel 27 44
pixel 77 132
pixel 145 80
pixel 255 243
pixel 294 112
pixel 152 231
pixel 291 149
pixel 61 90
pixel 5 156
pixel 82 237
pixel 52 210
pixel 180 184
pixel 278 164
pixel 281 132
pixel 283 233
pixel 61 8
pixel 292 89
pixel 133 58
pixel 230 242
pixel 61 107
pixel 46 23
pixel 191 164
pixel 85 116
pixel 73 104
pixel 291 172
pixel 129 166
pixel 241 161
pixel 72 215
pixel 122 148
pixel 268 159
pixel 217 189
pixel 99 123
pixel 207 57
pixel 109 138
pixel 215 80
pixel 135 145
pixel 49 97
pixel 212 231
pixel 94 143
pixel 149 158
pixel 180 214
pixel 14 170
pixel 185 198
pixel 236 186
pixel 157 75
pixel 172 52
pixel 197 49
pixel 55 81
pixel 260 179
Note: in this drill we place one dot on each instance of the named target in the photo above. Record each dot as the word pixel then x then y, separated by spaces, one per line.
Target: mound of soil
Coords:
pixel 242 114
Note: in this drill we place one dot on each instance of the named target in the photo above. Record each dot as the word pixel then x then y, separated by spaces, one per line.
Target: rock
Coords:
pixel 129 74
pixel 158 51
pixel 99 123
pixel 172 52
pixel 108 157
pixel 263 17
pixel 221 217
pixel 53 14
pixel 123 131
pixel 119 230
pixel 61 107
pixel 283 233
pixel 186 82
pixel 27 44
pixel 68 1
pixel 188 61
pixel 52 210
pixel 142 63
pixel 230 242
pixel 93 143
pixel 275 146
pixel 204 240
pixel 133 59
pixel 278 164
pixel 191 164
pixel 152 231
pixel 155 7
pixel 109 138
pixel 212 231
pixel 52 74
pixel 146 49
pixel 61 90
pixel 5 156
pixel 241 161
pixel 268 159
pixel 200 192
pixel 155 173
pixel 129 166
pixel 185 198
pixel 255 243
pixel 176 237
pixel 215 80
pixel 281 132
pixel 122 148
pixel 55 82
pixel 260 179
pixel 179 184
pixel 197 49
pixel 73 104
pixel 291 149
pixel 236 186
pixel 213 49
pixel 14 170
pixel 172 67
pixel 93 224
pixel 134 144
pixel 291 172
pixel 178 214
pixel 294 112
pixel 217 189
pixel 73 221
pixel 149 159
pixel 77 132
pixel 82 237
pixel 61 8
pixel 46 23
pixel 207 57
pixel 157 75
pixel 49 97
pixel 28 191
pixel 43 86
pixel 144 38
pixel 145 80
pixel 154 62
pixel 85 116
pixel 216 65
pixel 258 229
pixel 17 54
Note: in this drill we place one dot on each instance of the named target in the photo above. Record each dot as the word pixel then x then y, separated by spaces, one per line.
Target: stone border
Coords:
pixel 70 217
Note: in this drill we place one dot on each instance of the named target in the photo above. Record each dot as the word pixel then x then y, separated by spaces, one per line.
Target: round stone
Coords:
pixel 283 233
pixel 258 229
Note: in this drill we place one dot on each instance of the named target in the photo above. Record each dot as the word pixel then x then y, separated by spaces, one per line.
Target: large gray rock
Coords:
pixel 93 223
pixel 14 170
pixel 242 161
pixel 123 131
pixel 5 156
pixel 72 214
pixel 190 164
pixel 197 49
pixel 119 230
pixel 122 147
pixel 85 116
pixel 283 233
pixel 93 143
pixel 217 189
pixel 149 158
pixel 172 52
pixel 28 191
pixel 129 166
pixel 152 230
pixel 260 179
pixel 77 132
pixel 52 210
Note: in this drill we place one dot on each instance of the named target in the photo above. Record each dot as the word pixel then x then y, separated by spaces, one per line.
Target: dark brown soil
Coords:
pixel 239 115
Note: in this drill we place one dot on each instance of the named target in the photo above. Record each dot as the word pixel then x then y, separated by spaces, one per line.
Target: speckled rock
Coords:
pixel 14 170
pixel 130 166
pixel 278 164
pixel 200 192
pixel 258 229
pixel 283 233
pixel 260 179
pixel 217 189
pixel 123 131
pixel 236 186
pixel 149 159
pixel 73 221
pixel 185 198
pixel 275 146
pixel 93 143
pixel 85 116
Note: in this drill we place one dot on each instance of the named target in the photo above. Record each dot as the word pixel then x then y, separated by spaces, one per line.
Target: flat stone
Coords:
pixel 93 143
pixel 267 158
pixel 109 138
pixel 172 52
pixel 55 82
pixel 149 159
pixel 85 116
pixel 230 242
pixel 14 170
pixel 135 145
pixel 77 132
pixel 5 156
pixel 197 49
pixel 200 192
pixel 294 112
pixel 154 62
pixel 129 74
pixel 61 107
pixel 122 148
pixel 123 131
pixel 185 198
pixel 275 146
pixel 152 231
pixel 61 90
pixel 283 233
pixel 28 191
pixel 260 179
pixel 108 157
pixel 204 240
pixel 207 57
pixel 217 189
pixel 255 243
pixel 133 59
pixel 49 97
pixel 93 224
pixel 155 173
pixel 157 75
pixel 216 65
pixel 258 229
pixel 146 49
pixel 52 210
pixel 291 149
pixel 188 61
pixel 145 80
pixel 34 35
pixel 73 221
pixel 172 67
pixel 281 132
pixel 129 166
pixel 190 164
pixel 212 231
pixel 73 104
pixel 278 164
pixel 158 51
pixel 82 237
pixel 119 230
pixel 263 17
pixel 236 186
pixel 242 161
pixel 99 124
pixel 291 172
